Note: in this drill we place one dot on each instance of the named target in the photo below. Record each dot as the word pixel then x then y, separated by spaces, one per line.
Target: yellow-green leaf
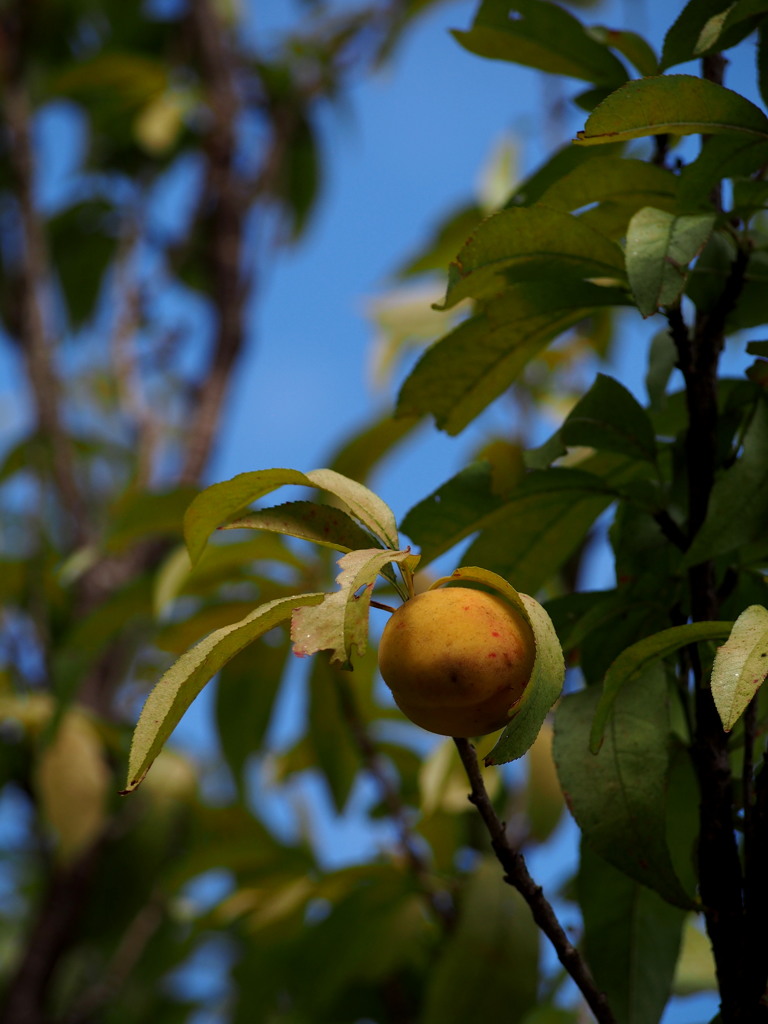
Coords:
pixel 174 693
pixel 741 665
pixel 340 621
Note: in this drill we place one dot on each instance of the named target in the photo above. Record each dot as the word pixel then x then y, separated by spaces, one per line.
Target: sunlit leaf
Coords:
pixel 741 665
pixel 174 693
pixel 340 621
pixel 72 782
pixel 672 104
pixel 696 966
pixel 660 246
pixel 221 502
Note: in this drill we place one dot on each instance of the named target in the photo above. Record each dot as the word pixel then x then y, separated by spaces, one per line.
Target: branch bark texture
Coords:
pixel 518 876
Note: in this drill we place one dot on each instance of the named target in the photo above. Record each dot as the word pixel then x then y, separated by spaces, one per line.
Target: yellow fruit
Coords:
pixel 457 660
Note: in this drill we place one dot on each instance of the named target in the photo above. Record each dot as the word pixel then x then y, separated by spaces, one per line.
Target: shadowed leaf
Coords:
pixel 660 246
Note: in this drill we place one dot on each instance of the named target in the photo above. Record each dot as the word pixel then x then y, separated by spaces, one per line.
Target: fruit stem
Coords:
pixel 383 607
pixel 518 876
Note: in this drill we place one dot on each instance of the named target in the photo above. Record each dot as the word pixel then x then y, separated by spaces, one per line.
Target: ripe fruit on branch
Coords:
pixel 457 660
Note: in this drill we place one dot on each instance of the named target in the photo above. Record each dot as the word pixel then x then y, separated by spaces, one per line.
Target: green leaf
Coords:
pixel 340 621
pixel 672 104
pixel 516 243
pixel 762 62
pixel 247 689
pixel 618 796
pixel 564 160
pixel 300 178
pixel 741 665
pixel 331 735
pixel 706 25
pixel 696 966
pixel 749 196
pixel 457 508
pixel 489 965
pixel 610 418
pixel 541 35
pixel 120 83
pixel 174 693
pixel 322 524
pixel 140 514
pixel 83 243
pixel 544 801
pixel 738 507
pixel 364 449
pixel 630 45
pixel 660 246
pixel 221 502
pixel 444 243
pixel 470 367
pixel 631 940
pixel 611 178
pixel 542 691
pixel 546 519
pixel 637 659
pixel 724 156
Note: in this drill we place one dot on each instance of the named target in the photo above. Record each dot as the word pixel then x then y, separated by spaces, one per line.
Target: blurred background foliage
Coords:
pixel 179 153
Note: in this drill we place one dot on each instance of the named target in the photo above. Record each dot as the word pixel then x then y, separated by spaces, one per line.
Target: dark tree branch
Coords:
pixel 720 872
pixel 756 889
pixel 51 935
pixel 518 876
pixel 33 279
pixel 225 216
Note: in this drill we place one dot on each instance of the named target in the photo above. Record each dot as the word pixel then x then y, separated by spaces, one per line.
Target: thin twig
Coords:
pixel 128 301
pixel 518 876
pixel 439 899
pixel 130 949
